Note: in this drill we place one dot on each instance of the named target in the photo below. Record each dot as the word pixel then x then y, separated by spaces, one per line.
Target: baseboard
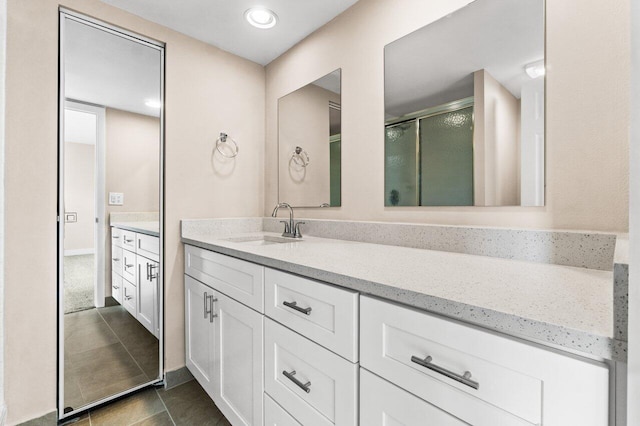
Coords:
pixel 79 252
pixel 177 377
pixel 48 419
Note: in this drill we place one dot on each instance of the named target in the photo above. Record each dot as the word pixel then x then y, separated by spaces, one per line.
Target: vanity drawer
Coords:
pixel 240 280
pixel 323 313
pixel 274 415
pixel 129 298
pixel 116 287
pixel 116 237
pixel 394 337
pixel 381 401
pixel 331 381
pixel 116 259
pixel 128 240
pixel 129 267
pixel 148 246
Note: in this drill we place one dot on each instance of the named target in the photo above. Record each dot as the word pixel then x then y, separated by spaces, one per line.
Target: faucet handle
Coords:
pixel 296 232
pixel 286 227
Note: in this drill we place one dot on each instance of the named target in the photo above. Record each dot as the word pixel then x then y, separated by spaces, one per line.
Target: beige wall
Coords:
pixel 495 143
pixel 587 113
pixel 132 166
pixel 207 91
pixel 303 120
pixel 79 173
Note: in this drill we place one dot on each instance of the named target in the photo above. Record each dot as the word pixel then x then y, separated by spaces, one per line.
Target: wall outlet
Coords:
pixel 116 198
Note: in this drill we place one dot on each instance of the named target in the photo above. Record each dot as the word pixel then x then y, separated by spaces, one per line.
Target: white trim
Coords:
pixel 79 252
pixel 99 228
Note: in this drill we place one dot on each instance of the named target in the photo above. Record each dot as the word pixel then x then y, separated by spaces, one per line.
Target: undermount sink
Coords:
pixel 261 240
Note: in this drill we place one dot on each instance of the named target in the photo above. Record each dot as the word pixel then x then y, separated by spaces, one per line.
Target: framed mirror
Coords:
pixel 110 165
pixel 464 109
pixel 309 144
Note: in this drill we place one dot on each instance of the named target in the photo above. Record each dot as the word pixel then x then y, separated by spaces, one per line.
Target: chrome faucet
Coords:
pixel 291 228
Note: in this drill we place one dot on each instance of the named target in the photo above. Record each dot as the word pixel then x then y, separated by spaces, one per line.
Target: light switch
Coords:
pixel 116 198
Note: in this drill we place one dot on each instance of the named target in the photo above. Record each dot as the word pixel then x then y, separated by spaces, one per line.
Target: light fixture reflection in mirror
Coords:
pixel 464 118
pixel 309 144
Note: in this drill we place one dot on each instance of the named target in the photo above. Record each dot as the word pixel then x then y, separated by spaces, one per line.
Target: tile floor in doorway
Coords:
pixel 184 405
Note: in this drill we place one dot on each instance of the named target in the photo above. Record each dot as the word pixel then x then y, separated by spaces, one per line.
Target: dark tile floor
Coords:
pixel 187 405
pixel 107 351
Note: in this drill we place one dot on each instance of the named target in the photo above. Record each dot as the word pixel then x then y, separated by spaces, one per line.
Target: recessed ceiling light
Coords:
pixel 535 69
pixel 261 17
pixel 153 104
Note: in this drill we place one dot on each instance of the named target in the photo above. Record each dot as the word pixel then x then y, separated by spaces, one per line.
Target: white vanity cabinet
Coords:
pixel 147 279
pixel 476 376
pixel 224 338
pixel 134 275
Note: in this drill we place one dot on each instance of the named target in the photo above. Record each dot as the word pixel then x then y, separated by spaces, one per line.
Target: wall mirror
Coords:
pixel 110 164
pixel 309 144
pixel 464 109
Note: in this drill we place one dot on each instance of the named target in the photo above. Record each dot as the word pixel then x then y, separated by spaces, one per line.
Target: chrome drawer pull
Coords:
pixel 304 386
pixel 116 259
pixel 127 241
pixel 294 305
pixel 115 237
pixel 116 287
pixel 465 379
pixel 128 266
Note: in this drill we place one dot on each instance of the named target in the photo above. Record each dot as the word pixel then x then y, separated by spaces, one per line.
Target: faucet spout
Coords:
pixel 288 232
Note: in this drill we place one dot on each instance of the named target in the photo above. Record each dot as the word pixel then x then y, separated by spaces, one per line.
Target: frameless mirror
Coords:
pixel 464 109
pixel 309 144
pixel 110 140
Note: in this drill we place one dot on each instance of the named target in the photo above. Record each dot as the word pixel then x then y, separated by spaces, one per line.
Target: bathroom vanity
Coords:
pixel 135 251
pixel 322 331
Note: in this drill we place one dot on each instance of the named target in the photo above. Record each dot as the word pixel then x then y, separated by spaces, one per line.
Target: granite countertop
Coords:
pixel 567 307
pixel 142 227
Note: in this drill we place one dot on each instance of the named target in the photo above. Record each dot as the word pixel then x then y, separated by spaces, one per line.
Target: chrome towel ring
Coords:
pixel 225 139
pixel 300 157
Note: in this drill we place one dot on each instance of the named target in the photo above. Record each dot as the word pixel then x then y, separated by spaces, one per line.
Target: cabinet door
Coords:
pixel 238 362
pixel 129 298
pixel 147 271
pixel 199 332
pixel 382 403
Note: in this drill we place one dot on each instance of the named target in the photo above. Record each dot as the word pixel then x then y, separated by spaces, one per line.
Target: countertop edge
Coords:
pixel 133 228
pixel 558 337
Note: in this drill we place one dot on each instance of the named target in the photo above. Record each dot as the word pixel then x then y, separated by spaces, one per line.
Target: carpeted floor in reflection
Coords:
pixel 78 282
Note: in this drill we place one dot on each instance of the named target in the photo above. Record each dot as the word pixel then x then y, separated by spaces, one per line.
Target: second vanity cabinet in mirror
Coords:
pixel 464 109
pixel 309 144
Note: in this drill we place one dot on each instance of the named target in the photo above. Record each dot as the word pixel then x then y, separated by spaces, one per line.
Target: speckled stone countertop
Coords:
pixel 149 228
pixel 565 307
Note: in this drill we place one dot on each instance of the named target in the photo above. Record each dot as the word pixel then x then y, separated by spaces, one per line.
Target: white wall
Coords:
pixel 495 143
pixel 587 113
pixel 207 91
pixel 79 194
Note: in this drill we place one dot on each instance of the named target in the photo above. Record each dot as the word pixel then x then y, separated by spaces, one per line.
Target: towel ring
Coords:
pixel 225 139
pixel 300 157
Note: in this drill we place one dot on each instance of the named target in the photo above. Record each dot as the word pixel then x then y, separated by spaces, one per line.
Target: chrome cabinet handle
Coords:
pixel 294 305
pixel 304 386
pixel 116 259
pixel 211 314
pixel 151 275
pixel 115 237
pixel 127 241
pixel 465 378
pixel 128 266
pixel 206 297
pixel 116 287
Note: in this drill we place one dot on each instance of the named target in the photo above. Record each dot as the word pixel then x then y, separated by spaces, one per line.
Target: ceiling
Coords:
pixel 434 65
pixel 221 22
pixel 105 69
